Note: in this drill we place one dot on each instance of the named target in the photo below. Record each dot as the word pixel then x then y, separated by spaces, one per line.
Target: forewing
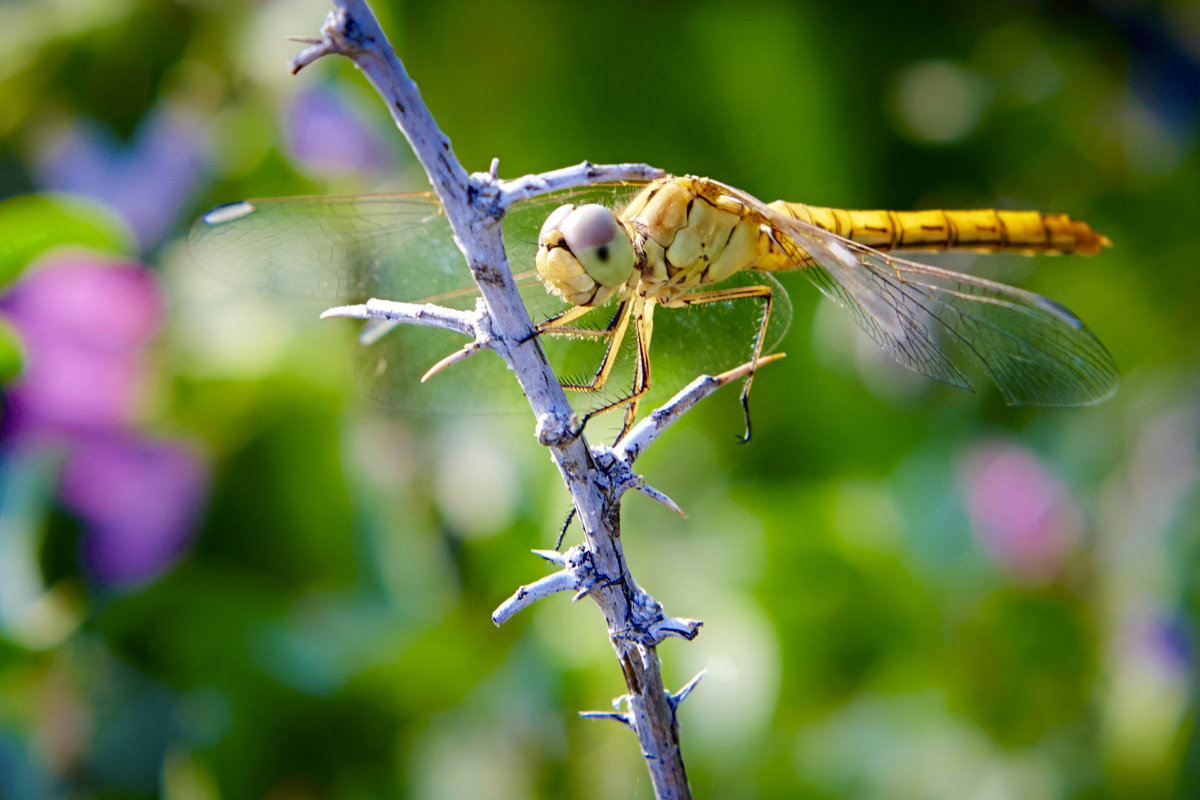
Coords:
pixel 350 249
pixel 339 249
pixel 1036 351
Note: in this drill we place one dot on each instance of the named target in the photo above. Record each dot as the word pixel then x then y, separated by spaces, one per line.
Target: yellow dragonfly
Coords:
pixel 693 243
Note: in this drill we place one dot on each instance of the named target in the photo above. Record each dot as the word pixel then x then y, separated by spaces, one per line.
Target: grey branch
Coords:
pixel 426 314
pixel 474 205
pixel 643 434
pixel 582 174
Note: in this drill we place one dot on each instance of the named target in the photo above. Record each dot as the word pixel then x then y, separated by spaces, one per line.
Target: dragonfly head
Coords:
pixel 584 255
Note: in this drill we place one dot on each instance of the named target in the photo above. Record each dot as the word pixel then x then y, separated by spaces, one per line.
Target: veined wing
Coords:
pixel 340 249
pixel 350 249
pixel 1036 351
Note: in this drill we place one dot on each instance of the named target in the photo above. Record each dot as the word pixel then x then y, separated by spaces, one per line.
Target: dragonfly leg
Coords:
pixel 738 293
pixel 643 326
pixel 562 533
pixel 644 330
pixel 641 312
pixel 558 324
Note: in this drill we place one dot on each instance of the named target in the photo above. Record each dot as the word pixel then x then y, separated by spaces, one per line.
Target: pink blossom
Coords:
pixel 85 324
pixel 1022 515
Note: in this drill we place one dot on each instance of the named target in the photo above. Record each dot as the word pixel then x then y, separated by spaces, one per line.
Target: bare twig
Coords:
pixel 582 174
pixel 642 435
pixel 425 314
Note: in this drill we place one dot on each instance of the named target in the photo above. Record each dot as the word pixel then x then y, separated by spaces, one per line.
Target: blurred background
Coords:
pixel 224 574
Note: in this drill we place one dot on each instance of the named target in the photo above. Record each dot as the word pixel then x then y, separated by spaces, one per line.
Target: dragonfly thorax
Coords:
pixel 690 234
pixel 584 254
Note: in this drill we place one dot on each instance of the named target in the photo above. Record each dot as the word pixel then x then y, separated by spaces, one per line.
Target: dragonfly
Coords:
pixel 605 258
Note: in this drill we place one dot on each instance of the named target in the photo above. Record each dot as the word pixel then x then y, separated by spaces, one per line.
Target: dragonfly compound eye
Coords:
pixel 554 222
pixel 603 248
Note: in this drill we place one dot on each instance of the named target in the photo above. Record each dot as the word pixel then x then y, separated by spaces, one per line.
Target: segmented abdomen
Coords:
pixel 982 230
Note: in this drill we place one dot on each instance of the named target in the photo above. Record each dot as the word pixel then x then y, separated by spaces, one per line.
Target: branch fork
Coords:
pixel 578 575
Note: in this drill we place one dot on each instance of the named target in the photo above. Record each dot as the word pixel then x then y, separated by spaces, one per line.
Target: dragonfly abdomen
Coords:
pixel 984 230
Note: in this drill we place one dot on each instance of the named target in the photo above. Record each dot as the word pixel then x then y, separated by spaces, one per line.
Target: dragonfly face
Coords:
pixel 584 255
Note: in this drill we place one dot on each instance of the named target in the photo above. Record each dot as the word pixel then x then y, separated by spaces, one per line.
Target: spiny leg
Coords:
pixel 739 293
pixel 644 330
pixel 643 314
pixel 615 333
pixel 641 311
pixel 558 324
pixel 562 533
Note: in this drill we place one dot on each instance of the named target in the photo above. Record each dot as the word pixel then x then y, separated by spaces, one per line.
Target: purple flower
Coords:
pixel 85 324
pixel 1021 514
pixel 140 499
pixel 146 181
pixel 329 138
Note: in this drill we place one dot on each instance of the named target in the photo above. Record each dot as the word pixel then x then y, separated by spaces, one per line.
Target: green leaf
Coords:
pixel 33 223
pixel 11 355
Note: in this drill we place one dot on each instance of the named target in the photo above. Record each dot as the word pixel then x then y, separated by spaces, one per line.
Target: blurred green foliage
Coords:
pixel 909 591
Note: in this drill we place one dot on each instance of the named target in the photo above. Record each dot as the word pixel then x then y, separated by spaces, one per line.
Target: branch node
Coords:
pixel 555 429
pixel 648 626
pixel 622 478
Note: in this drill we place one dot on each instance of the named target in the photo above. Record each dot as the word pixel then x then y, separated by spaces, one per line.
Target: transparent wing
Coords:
pixel 399 247
pixel 1036 351
pixel 349 249
pixel 714 337
pixel 340 249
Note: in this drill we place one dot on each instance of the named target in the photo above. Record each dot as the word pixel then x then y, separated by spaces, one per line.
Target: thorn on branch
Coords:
pixel 462 354
pixel 683 693
pixel 553 556
pixel 655 494
pixel 615 716
pixel 682 627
